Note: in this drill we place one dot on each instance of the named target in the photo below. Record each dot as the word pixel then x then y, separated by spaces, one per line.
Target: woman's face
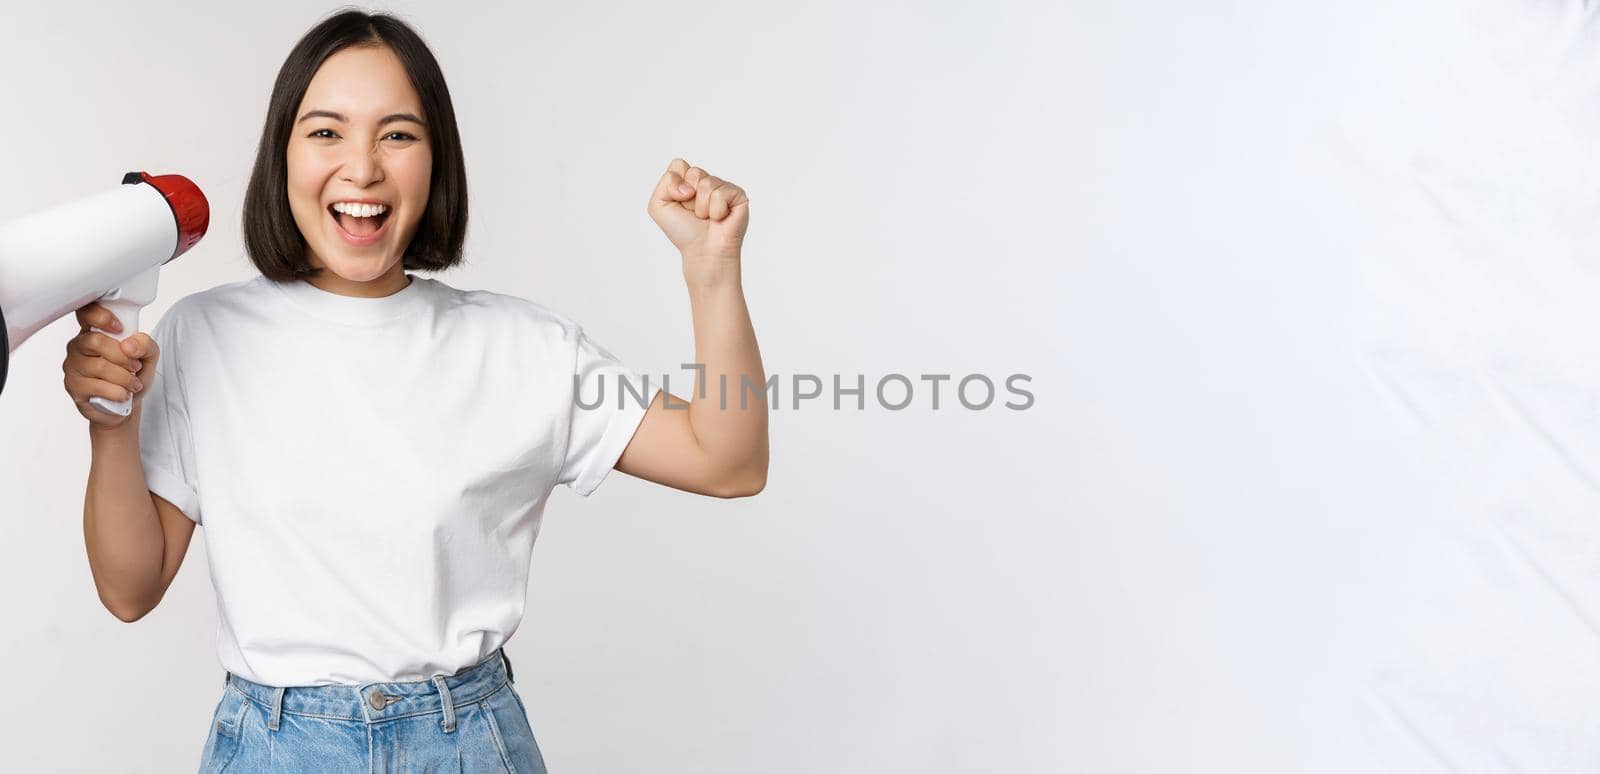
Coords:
pixel 359 145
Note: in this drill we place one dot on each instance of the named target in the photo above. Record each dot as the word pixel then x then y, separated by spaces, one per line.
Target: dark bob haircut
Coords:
pixel 271 238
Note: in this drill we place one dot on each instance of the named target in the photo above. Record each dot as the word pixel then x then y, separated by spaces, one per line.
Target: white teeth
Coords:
pixel 360 210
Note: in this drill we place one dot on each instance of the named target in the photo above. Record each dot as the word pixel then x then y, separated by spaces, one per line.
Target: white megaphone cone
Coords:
pixel 107 247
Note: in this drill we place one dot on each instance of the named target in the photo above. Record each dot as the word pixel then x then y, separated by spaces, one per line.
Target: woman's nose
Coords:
pixel 363 166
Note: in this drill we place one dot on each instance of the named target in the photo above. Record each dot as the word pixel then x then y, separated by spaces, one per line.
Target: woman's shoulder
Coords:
pixel 203 303
pixel 519 309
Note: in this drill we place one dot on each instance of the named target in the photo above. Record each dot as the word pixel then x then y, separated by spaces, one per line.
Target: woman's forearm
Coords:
pixel 121 530
pixel 728 411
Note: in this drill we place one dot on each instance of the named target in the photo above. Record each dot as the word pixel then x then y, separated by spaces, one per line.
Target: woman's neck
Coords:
pixel 390 283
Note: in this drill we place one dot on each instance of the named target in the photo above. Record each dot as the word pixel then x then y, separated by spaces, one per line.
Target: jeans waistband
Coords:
pixel 374 702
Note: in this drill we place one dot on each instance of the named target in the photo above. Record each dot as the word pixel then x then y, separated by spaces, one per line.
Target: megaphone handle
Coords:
pixel 127 313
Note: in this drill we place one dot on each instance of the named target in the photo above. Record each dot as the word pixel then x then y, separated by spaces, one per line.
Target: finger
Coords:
pixel 100 369
pixel 106 371
pixel 98 345
pixel 678 166
pixel 93 314
pixel 678 189
pixel 732 196
pixel 736 196
pixel 702 195
pixel 140 346
pixel 85 313
pixel 719 203
pixel 691 199
pixel 670 189
pixel 84 387
pixel 694 176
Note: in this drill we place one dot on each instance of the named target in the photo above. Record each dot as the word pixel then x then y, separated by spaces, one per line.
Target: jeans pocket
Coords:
pixel 511 732
pixel 223 739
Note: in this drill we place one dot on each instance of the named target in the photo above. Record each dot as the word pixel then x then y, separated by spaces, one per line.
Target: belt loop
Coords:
pixel 507 659
pixel 277 709
pixel 446 702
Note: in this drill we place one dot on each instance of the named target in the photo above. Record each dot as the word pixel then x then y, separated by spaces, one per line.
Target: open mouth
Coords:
pixel 363 225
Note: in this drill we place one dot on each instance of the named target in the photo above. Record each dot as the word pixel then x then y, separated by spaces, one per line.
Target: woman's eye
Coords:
pixel 328 134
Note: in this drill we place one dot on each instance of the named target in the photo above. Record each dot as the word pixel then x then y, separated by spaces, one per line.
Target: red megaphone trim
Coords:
pixel 189 206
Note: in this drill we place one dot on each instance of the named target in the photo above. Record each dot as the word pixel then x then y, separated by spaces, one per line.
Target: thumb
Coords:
pixel 141 346
pixel 672 189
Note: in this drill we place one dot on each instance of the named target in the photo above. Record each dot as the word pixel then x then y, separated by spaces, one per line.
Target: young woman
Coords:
pixel 371 450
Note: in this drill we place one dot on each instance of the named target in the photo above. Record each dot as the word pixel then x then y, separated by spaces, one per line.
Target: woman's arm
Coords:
pixel 136 540
pixel 717 445
pixel 706 448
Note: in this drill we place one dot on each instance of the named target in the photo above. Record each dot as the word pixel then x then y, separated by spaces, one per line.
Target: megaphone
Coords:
pixel 108 247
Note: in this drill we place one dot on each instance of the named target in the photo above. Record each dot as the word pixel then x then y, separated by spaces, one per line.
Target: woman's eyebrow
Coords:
pixel 388 119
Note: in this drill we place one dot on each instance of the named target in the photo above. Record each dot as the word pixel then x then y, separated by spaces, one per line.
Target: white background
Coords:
pixel 1307 296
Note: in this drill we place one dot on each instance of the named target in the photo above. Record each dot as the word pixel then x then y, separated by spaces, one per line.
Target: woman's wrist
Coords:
pixel 711 274
pixel 123 434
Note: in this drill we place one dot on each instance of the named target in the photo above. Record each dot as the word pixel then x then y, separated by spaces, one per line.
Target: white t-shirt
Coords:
pixel 371 472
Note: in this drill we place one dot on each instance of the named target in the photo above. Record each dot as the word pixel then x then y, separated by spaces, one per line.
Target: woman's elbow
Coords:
pixel 747 484
pixel 125 611
pixel 128 614
pixel 750 488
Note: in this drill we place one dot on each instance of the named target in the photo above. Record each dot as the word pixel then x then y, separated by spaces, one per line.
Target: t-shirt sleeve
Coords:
pixel 165 443
pixel 610 401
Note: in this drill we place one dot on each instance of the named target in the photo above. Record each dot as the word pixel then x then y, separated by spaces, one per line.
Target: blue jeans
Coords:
pixel 471 721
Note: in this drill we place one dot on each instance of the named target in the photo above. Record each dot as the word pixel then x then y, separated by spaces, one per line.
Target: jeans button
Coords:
pixel 378 699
